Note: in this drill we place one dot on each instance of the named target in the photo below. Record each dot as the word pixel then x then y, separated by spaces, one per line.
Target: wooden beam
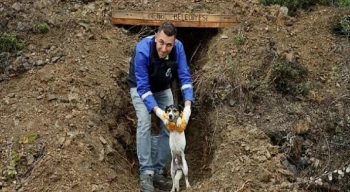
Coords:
pixel 199 20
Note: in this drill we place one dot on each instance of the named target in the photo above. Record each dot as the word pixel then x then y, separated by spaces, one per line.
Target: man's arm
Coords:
pixel 184 75
pixel 142 79
pixel 186 82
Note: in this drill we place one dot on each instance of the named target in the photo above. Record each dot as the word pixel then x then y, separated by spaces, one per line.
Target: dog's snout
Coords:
pixel 170 116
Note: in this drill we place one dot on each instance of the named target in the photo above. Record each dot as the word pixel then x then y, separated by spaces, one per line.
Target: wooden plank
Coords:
pixel 204 20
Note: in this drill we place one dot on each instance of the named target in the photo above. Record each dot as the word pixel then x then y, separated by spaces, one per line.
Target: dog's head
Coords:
pixel 173 112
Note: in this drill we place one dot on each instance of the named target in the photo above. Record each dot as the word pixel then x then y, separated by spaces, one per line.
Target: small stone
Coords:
pixel 39 97
pixel 40 63
pixel 55 59
pixel 103 140
pixel 94 188
pixel 11 95
pixel 224 37
pixel 330 176
pixel 109 150
pixel 16 7
pixel 340 172
pixel 52 97
pixel 232 102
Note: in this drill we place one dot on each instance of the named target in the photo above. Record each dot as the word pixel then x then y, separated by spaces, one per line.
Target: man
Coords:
pixel 157 58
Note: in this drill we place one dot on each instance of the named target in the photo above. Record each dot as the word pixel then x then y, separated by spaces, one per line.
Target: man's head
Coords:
pixel 165 38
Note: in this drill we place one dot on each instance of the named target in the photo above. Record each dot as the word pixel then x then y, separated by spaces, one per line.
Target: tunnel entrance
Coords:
pixel 198 152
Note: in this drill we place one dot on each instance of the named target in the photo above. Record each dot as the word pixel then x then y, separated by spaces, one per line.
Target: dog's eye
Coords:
pixel 175 110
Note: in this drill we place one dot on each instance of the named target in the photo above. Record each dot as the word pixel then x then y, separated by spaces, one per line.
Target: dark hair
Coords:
pixel 168 28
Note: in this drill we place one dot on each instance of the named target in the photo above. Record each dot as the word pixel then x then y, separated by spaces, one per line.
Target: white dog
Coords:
pixel 177 143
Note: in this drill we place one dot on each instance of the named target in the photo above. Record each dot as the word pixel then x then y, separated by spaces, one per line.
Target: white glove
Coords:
pixel 187 113
pixel 162 116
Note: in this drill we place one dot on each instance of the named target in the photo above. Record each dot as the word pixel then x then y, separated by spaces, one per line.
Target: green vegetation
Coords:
pixel 18 161
pixel 345 24
pixel 344 3
pixel 342 26
pixel 10 43
pixel 290 78
pixel 86 21
pixel 239 39
pixel 290 4
pixel 42 28
pixel 293 5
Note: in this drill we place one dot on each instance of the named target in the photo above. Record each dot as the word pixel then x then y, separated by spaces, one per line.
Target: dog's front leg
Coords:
pixel 178 122
pixel 185 170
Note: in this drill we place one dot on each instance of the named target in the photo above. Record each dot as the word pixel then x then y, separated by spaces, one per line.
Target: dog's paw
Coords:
pixel 166 122
pixel 178 122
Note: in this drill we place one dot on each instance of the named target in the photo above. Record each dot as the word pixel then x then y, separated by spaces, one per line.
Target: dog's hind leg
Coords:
pixel 185 170
pixel 173 172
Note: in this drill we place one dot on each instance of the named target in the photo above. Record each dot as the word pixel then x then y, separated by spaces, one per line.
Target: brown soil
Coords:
pixel 67 122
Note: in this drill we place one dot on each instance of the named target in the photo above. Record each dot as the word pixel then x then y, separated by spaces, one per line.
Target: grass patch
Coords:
pixel 41 28
pixel 239 39
pixel 10 43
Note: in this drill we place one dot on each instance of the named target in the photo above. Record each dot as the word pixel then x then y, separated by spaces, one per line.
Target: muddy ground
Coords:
pixel 67 122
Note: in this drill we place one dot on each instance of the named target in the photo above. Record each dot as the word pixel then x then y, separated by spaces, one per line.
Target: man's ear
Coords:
pixel 156 37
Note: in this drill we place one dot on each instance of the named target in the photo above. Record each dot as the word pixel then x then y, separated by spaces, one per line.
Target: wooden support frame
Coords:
pixel 199 20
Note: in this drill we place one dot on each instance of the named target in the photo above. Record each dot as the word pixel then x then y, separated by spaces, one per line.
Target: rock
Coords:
pixel 17 7
pixel 347 170
pixel 101 155
pixel 22 26
pixel 291 57
pixel 302 126
pixel 30 159
pixel 40 63
pixel 52 97
pixel 232 102
pixel 264 176
pixel 261 158
pixel 94 188
pixel 73 97
pixel 11 95
pixel 109 150
pixel 55 59
pixel 224 37
pixel 103 140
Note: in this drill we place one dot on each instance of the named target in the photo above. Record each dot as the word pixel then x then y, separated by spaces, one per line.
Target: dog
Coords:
pixel 177 143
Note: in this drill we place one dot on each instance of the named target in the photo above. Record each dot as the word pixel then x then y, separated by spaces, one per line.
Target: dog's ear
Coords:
pixel 181 108
pixel 166 108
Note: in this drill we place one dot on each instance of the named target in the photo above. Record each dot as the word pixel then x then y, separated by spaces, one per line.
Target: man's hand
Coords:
pixel 162 116
pixel 187 113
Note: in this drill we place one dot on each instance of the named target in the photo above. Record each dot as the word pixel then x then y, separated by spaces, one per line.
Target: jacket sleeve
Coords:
pixel 142 80
pixel 184 73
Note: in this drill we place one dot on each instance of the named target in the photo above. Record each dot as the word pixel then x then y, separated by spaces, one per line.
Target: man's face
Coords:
pixel 164 44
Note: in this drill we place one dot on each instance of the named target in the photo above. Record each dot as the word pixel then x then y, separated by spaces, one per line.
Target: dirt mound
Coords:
pixel 67 122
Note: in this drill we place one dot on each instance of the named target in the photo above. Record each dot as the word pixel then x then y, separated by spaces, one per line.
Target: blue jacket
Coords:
pixel 150 74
